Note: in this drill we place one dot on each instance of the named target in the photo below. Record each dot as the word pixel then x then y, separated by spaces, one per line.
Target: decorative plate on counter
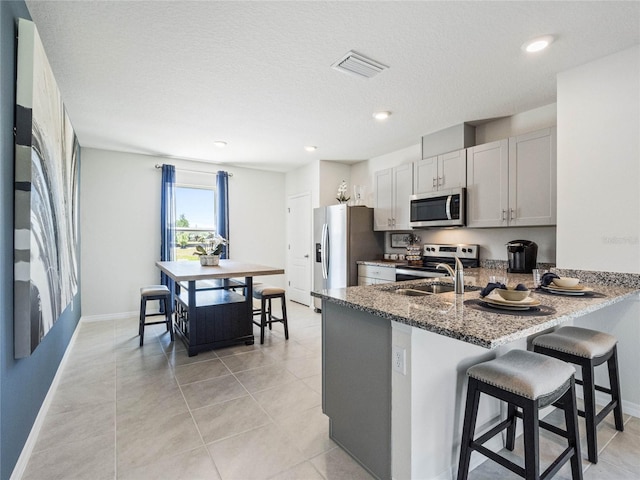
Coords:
pixel 495 300
pixel 577 290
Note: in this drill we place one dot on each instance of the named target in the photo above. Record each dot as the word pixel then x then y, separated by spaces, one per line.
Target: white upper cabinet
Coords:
pixel 442 172
pixel 383 194
pixel 393 187
pixel 532 178
pixel 513 182
pixel 487 184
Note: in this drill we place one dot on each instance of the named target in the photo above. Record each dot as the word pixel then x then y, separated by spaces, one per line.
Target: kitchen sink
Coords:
pixel 431 289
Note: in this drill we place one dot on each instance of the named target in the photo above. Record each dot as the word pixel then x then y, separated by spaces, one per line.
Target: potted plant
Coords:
pixel 342 193
pixel 210 254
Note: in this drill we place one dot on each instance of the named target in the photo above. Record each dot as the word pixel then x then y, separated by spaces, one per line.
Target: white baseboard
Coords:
pixel 110 316
pixel 27 449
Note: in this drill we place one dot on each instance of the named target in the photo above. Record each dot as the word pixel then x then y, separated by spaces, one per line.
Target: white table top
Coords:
pixel 188 270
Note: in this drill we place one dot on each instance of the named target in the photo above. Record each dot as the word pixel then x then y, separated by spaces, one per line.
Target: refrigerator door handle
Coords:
pixel 325 251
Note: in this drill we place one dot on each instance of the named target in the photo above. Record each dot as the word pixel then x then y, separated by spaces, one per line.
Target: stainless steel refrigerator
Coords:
pixel 342 235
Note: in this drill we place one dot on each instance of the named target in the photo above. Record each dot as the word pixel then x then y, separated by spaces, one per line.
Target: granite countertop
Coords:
pixel 454 315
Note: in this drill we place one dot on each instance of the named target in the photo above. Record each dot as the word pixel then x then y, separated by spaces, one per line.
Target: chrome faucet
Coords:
pixel 457 275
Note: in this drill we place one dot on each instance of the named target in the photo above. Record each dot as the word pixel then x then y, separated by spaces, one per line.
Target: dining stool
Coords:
pixel 527 381
pixel 163 295
pixel 588 349
pixel 266 293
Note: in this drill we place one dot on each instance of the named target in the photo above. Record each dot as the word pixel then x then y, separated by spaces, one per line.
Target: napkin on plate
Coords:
pixel 490 287
pixel 547 278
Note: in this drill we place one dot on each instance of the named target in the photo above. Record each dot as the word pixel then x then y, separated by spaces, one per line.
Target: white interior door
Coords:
pixel 299 251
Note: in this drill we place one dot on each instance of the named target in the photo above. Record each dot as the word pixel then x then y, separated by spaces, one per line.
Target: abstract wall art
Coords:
pixel 46 198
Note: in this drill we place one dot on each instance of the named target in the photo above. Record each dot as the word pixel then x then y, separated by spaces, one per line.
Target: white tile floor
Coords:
pixel 243 412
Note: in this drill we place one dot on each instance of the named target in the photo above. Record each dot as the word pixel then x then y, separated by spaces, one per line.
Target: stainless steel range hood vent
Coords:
pixel 355 64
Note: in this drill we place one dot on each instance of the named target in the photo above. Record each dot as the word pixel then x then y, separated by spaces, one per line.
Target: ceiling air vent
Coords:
pixel 355 64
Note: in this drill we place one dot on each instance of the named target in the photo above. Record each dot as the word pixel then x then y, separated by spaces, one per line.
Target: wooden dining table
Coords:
pixel 214 304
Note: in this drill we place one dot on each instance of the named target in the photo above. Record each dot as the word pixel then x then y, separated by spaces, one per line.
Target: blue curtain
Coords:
pixel 222 208
pixel 168 222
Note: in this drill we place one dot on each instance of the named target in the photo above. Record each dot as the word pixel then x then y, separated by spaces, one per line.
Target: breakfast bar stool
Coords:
pixel 588 349
pixel 527 381
pixel 266 293
pixel 155 292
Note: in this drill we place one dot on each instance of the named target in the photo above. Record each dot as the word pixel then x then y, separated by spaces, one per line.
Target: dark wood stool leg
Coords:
pixel 143 311
pixel 270 316
pixel 573 437
pixel 590 411
pixel 531 441
pixel 284 317
pixel 263 318
pixel 614 382
pixel 468 428
pixel 511 429
pixel 167 302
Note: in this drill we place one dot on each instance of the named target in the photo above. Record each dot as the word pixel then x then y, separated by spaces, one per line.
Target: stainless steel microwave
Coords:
pixel 445 208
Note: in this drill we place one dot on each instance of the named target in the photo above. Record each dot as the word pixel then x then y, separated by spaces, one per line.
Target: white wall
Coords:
pixel 331 175
pixel 525 122
pixel 120 224
pixel 599 164
pixel 304 179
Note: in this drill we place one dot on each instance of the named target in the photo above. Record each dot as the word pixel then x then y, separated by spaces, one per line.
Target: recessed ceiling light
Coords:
pixel 537 44
pixel 220 144
pixel 381 115
pixel 310 148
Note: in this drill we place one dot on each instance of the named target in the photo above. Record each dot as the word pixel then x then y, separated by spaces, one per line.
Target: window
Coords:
pixel 195 219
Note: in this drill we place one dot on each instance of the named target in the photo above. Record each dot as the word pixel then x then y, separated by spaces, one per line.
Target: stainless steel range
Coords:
pixel 433 254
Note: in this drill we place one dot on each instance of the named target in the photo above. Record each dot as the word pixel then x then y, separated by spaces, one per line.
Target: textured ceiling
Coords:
pixel 171 77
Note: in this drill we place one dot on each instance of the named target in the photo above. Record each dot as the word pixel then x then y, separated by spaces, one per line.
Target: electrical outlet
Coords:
pixel 399 359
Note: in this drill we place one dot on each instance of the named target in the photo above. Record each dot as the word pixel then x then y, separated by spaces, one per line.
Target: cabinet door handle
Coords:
pixel 388 222
pixel 504 215
pixel 434 183
pixel 512 216
pixel 441 180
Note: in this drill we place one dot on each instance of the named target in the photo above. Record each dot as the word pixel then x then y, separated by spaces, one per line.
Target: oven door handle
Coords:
pixel 419 273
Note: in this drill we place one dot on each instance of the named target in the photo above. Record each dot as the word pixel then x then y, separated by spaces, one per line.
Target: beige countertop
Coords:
pixel 457 317
pixel 188 271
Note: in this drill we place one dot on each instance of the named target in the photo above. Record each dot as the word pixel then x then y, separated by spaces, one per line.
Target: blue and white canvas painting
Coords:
pixel 46 198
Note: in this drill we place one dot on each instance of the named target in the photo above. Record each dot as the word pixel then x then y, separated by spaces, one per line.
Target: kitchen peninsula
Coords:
pixel 406 422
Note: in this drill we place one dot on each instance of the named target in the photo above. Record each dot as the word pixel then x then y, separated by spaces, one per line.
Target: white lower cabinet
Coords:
pixel 374 274
pixel 512 182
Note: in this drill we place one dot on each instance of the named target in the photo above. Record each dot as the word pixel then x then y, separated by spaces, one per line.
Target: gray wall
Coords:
pixel 23 383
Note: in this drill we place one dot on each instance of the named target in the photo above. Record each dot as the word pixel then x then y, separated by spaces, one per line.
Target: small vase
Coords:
pixel 209 260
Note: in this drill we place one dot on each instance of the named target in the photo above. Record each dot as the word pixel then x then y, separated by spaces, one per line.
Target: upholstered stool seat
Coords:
pixel 163 295
pixel 526 381
pixel 266 293
pixel 588 349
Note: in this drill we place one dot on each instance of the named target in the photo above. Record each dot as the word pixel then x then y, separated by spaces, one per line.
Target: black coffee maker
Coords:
pixel 522 256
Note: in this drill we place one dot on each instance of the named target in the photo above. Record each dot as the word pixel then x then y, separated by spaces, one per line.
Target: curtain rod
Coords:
pixel 194 171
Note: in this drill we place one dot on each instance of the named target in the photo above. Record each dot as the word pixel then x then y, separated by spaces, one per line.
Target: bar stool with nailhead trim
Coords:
pixel 155 292
pixel 588 349
pixel 527 381
pixel 266 293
